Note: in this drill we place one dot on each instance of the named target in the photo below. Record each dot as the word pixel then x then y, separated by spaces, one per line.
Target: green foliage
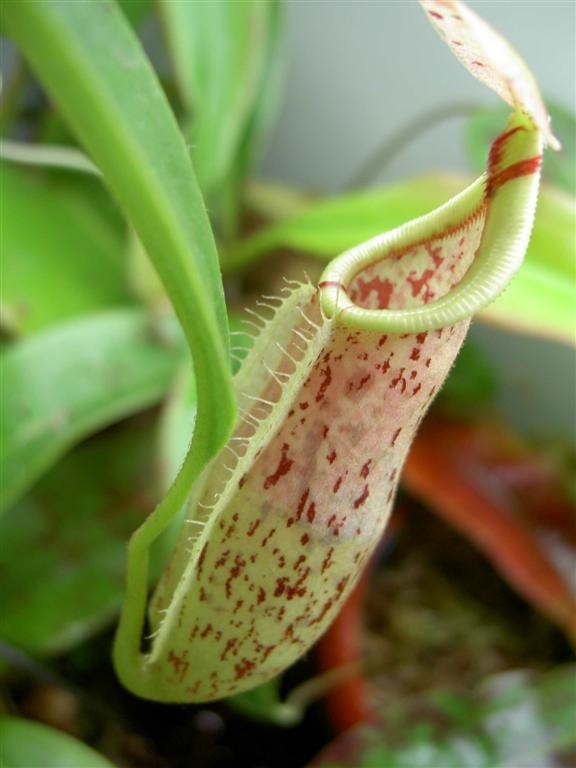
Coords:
pixel 177 422
pixel 135 10
pixel 226 61
pixel 516 719
pixel 70 381
pixel 92 65
pixel 94 68
pixel 76 521
pixel 47 155
pixel 179 413
pixel 26 744
pixel 63 261
pixel 60 259
pixel 328 227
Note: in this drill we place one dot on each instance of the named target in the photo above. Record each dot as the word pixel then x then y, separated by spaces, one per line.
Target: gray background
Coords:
pixel 358 71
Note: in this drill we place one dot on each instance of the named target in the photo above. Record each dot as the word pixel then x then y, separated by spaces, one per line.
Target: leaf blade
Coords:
pixel 94 372
pixel 227 65
pixel 26 743
pixel 93 66
pixel 60 258
pixel 76 520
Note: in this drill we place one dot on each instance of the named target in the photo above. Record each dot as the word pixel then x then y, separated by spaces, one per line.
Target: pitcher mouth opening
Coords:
pixel 369 286
pixel 494 215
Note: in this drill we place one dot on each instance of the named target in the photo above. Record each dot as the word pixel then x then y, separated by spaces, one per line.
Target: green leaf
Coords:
pixel 541 298
pixel 76 521
pixel 26 744
pixel 179 412
pixel 331 226
pixel 517 718
pixel 177 424
pixel 94 68
pixel 61 259
pixel 67 382
pixel 135 10
pixel 59 156
pixel 92 65
pixel 226 61
pixel 558 168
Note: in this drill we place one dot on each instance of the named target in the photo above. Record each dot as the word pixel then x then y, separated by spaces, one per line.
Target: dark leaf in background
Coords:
pixel 471 384
pixel 135 10
pixel 64 544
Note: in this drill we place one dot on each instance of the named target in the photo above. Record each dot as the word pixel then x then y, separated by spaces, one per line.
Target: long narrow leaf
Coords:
pixel 223 54
pixel 327 228
pixel 468 473
pixel 93 66
pixel 47 155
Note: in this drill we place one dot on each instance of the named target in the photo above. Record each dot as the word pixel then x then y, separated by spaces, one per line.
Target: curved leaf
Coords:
pixel 63 384
pixel 93 66
pixel 327 228
pixel 26 743
pixel 60 259
pixel 485 482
